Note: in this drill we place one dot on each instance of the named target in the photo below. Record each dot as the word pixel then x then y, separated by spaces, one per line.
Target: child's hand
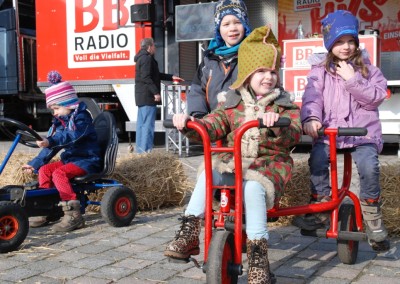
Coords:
pixel 28 169
pixel 180 119
pixel 269 118
pixel 311 128
pixel 43 144
pixel 344 70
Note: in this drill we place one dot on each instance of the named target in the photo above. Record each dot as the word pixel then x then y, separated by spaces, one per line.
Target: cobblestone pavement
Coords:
pixel 100 253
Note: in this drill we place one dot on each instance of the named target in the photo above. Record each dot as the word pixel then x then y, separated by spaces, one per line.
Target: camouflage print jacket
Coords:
pixel 266 158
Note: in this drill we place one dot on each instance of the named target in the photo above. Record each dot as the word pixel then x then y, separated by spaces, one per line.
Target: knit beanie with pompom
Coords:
pixel 60 93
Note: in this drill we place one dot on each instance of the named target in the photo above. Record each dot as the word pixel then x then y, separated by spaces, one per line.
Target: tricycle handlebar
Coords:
pixel 282 122
pixel 347 131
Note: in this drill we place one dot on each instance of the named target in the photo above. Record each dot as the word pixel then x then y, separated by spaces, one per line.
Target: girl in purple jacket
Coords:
pixel 345 90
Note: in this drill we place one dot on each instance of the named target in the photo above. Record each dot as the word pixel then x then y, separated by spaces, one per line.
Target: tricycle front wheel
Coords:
pixel 220 257
pixel 347 249
pixel 14 226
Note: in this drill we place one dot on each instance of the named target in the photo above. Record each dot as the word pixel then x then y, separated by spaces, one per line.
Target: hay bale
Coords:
pixel 12 173
pixel 157 178
pixel 390 185
pixel 297 190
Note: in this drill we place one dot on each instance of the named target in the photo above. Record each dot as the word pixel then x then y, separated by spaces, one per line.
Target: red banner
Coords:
pixel 383 15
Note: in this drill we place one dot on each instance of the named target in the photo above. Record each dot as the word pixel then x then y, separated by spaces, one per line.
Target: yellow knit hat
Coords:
pixel 257 51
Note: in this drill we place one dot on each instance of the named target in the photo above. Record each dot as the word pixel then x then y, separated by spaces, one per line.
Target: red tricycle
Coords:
pixel 224 228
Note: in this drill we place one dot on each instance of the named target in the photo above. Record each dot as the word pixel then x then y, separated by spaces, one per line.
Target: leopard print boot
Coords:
pixel 186 242
pixel 257 254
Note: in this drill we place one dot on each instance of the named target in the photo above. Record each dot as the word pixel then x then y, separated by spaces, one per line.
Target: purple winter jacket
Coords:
pixel 338 103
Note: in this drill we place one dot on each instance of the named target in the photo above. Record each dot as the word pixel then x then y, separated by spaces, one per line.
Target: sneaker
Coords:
pixel 311 222
pixel 374 227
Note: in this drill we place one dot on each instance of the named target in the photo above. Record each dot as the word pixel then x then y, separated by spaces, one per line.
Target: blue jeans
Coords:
pixel 254 202
pixel 366 159
pixel 146 120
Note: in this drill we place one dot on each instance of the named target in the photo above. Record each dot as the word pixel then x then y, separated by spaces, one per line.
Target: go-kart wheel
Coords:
pixel 28 135
pixel 14 226
pixel 347 250
pixel 119 206
pixel 220 255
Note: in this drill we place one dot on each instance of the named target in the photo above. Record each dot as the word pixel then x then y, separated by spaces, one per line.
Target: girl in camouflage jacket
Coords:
pixel 267 164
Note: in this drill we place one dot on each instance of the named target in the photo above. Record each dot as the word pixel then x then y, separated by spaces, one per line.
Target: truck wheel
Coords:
pixel 347 250
pixel 14 226
pixel 220 255
pixel 119 206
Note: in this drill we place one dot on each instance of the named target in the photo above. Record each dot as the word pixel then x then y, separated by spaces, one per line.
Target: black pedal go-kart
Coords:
pixel 19 202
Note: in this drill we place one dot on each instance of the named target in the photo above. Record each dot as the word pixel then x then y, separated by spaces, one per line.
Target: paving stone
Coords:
pixel 111 272
pixel 386 271
pixel 324 280
pixel 17 274
pixel 338 272
pixel 154 274
pixel 321 255
pixel 368 279
pixel 298 268
pixel 91 263
pixel 66 272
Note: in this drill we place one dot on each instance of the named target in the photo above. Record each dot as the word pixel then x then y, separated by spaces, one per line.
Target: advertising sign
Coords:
pixel 93 35
pixel 297 51
pixel 383 16
pixel 87 39
pixel 295 81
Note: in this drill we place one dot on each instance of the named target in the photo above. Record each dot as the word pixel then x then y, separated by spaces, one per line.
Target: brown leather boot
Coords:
pixel 186 242
pixel 257 254
pixel 72 218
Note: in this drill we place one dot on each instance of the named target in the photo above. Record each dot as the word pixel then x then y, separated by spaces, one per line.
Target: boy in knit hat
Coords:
pixel 267 164
pixel 218 70
pixel 345 90
pixel 73 131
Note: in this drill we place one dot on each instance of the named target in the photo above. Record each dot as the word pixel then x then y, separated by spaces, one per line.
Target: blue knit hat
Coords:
pixel 338 24
pixel 236 8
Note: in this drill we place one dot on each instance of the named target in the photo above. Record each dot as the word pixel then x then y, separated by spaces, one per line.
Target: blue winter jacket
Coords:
pixel 79 144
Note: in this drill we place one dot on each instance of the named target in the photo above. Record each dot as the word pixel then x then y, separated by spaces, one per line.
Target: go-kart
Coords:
pixel 225 234
pixel 19 202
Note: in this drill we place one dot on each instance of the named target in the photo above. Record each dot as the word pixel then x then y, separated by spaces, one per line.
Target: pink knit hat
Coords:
pixel 60 93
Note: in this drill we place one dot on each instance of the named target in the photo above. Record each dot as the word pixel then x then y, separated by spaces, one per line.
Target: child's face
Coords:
pixel 231 30
pixel 263 81
pixel 60 110
pixel 344 47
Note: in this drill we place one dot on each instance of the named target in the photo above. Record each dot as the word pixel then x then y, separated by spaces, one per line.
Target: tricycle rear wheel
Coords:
pixel 14 226
pixel 347 249
pixel 220 256
pixel 119 206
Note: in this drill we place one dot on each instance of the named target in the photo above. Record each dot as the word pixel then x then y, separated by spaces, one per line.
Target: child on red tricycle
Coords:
pixel 263 165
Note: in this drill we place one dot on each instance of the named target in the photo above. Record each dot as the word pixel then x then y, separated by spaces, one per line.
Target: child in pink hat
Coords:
pixel 73 131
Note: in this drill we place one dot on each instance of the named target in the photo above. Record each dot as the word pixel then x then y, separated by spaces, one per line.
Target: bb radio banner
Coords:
pixel 297 51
